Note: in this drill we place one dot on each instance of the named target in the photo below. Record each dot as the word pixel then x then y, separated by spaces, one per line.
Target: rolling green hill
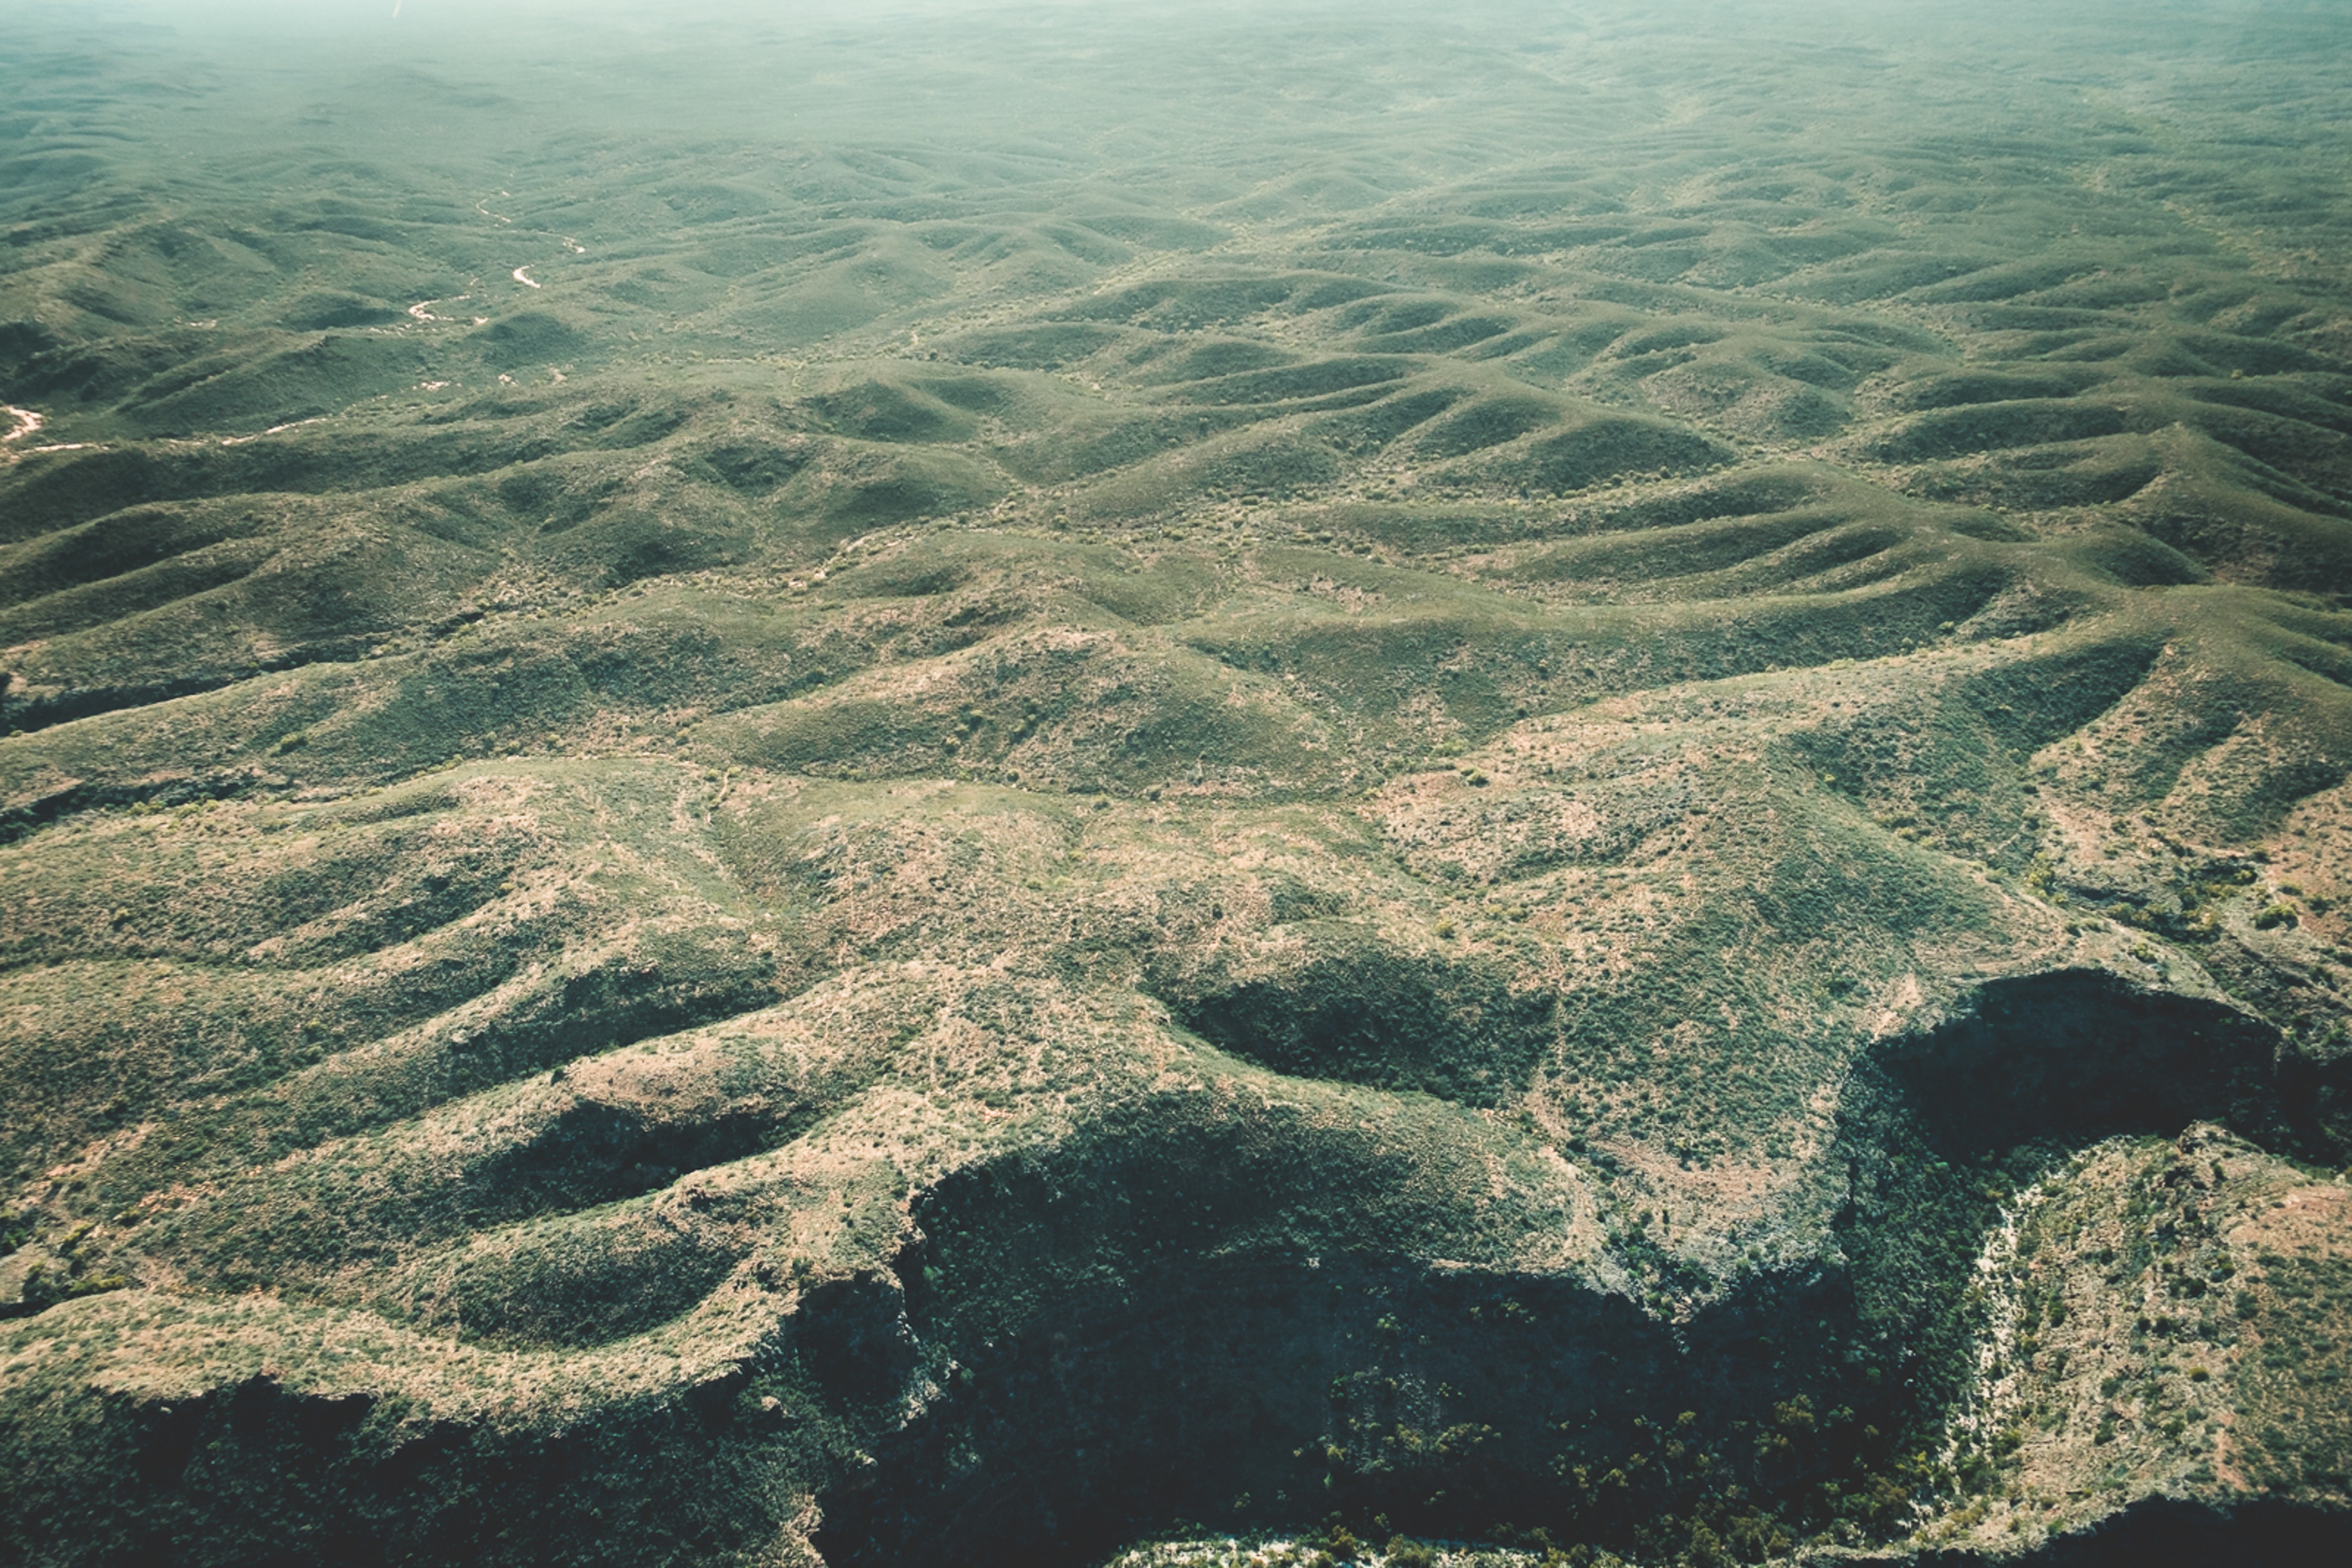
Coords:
pixel 1191 786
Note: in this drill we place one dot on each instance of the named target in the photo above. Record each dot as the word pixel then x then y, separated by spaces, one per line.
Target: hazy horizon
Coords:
pixel 1067 785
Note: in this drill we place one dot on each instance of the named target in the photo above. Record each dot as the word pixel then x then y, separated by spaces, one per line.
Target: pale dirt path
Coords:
pixel 423 309
pixel 522 274
pixel 273 429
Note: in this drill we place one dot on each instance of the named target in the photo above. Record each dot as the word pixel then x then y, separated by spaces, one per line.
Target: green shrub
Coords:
pixel 1402 1553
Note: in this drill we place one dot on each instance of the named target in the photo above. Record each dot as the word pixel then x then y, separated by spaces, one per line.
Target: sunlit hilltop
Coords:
pixel 1211 785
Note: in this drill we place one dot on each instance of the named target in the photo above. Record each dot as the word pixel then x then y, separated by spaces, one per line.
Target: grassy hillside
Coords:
pixel 790 788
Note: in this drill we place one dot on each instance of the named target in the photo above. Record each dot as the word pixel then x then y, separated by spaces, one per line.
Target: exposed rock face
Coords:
pixel 1593 814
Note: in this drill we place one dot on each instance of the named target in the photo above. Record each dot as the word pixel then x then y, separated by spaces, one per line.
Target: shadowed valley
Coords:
pixel 1227 785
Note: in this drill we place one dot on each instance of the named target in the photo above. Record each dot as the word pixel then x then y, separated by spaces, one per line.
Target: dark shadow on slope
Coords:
pixel 1140 1338
pixel 1356 1012
pixel 2166 1532
pixel 1258 1387
pixel 264 1475
pixel 2080 1055
pixel 595 1154
pixel 18 821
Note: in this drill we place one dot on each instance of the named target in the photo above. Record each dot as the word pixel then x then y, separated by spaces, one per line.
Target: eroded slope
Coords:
pixel 1469 786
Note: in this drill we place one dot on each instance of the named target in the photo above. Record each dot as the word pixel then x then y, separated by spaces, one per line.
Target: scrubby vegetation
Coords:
pixel 1537 787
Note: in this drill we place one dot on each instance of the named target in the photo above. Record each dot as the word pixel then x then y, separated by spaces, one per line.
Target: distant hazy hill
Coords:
pixel 1000 785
